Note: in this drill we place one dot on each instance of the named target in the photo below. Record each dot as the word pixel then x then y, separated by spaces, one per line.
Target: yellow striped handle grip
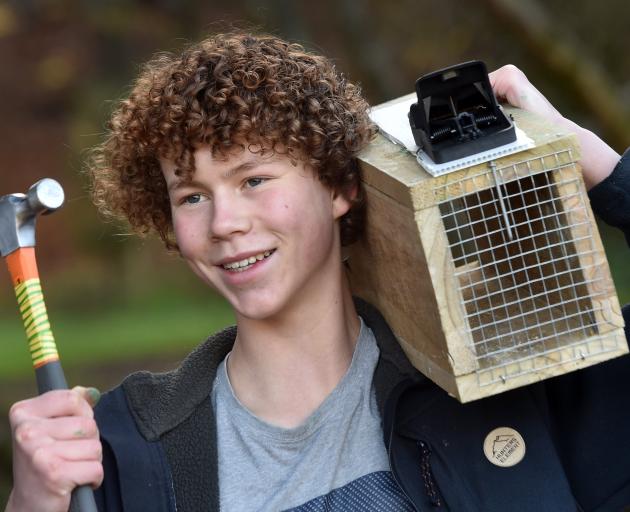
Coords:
pixel 41 342
pixel 23 269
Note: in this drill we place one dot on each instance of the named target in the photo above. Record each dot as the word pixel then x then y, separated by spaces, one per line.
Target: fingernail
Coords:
pixel 94 395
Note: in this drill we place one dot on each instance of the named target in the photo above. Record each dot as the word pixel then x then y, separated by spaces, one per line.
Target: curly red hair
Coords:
pixel 230 90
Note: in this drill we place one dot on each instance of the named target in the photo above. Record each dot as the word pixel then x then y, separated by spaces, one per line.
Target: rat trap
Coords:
pixel 457 115
pixel 492 276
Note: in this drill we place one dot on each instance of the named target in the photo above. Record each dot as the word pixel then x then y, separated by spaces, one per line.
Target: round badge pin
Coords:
pixel 504 447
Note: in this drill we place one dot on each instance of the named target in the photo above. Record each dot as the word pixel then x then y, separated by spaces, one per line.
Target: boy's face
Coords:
pixel 260 230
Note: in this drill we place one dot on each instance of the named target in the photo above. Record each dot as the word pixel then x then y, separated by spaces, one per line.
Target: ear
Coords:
pixel 342 201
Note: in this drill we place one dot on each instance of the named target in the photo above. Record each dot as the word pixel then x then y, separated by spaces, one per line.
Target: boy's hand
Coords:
pixel 598 158
pixel 56 447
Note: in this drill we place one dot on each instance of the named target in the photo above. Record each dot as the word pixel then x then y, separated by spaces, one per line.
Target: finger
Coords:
pixel 52 404
pixel 73 428
pixel 38 431
pixel 85 473
pixel 60 476
pixel 510 84
pixel 92 395
pixel 79 450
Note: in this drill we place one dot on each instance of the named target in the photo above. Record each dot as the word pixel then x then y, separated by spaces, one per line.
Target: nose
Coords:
pixel 230 216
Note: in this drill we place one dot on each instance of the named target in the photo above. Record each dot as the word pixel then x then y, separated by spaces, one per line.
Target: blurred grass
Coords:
pixel 153 307
pixel 160 324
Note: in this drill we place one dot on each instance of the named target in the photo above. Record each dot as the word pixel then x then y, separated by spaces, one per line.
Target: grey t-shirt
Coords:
pixel 335 461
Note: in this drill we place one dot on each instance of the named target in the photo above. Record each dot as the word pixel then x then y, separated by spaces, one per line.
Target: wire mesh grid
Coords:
pixel 519 255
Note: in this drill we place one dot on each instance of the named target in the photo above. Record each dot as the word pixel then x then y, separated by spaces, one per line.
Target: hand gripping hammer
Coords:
pixel 17 245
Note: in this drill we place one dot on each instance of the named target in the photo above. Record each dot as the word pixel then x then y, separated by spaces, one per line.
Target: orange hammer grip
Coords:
pixel 22 265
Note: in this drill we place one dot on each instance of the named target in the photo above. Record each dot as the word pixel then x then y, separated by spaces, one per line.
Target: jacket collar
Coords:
pixel 160 402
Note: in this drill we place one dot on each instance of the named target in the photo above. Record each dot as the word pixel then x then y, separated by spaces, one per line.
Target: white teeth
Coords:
pixel 239 266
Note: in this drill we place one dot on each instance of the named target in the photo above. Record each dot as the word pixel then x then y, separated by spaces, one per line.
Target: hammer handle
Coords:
pixel 50 376
pixel 48 372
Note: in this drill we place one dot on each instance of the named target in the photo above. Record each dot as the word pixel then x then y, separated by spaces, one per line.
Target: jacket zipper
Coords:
pixel 427 475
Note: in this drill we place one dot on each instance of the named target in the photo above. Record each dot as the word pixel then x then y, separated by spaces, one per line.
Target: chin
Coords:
pixel 257 312
pixel 257 307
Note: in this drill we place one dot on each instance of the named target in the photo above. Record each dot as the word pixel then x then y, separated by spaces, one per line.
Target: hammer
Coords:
pixel 18 213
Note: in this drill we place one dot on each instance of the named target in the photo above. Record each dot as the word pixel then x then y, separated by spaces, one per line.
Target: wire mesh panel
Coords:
pixel 518 255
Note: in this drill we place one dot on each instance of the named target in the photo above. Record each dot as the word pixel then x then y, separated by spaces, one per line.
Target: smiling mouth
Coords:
pixel 244 264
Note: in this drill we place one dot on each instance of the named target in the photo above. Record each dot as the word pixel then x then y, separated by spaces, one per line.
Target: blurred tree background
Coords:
pixel 117 303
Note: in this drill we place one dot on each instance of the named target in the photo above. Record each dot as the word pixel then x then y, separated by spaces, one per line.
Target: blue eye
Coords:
pixel 254 182
pixel 192 199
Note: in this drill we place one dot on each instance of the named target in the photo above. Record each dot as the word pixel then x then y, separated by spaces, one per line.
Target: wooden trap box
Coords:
pixel 491 279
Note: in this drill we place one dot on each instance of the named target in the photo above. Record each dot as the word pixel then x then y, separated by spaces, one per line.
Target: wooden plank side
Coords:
pixel 443 378
pixel 388 268
pixel 389 168
pixel 446 287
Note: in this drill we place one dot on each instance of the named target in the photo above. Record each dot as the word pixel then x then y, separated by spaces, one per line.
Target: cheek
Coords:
pixel 305 217
pixel 187 235
pixel 276 206
pixel 289 210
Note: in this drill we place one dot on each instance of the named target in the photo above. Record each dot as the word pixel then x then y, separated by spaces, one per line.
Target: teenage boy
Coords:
pixel 240 153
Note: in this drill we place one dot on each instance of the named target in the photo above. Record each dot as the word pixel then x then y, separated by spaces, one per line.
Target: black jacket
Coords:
pixel 159 433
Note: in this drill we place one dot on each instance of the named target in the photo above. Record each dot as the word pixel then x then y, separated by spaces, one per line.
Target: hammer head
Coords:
pixel 19 211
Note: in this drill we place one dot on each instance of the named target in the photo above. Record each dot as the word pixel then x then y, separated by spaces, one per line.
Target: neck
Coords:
pixel 282 369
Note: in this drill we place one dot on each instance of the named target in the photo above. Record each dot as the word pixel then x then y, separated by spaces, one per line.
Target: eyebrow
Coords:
pixel 242 167
pixel 245 166
pixel 251 164
pixel 179 183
